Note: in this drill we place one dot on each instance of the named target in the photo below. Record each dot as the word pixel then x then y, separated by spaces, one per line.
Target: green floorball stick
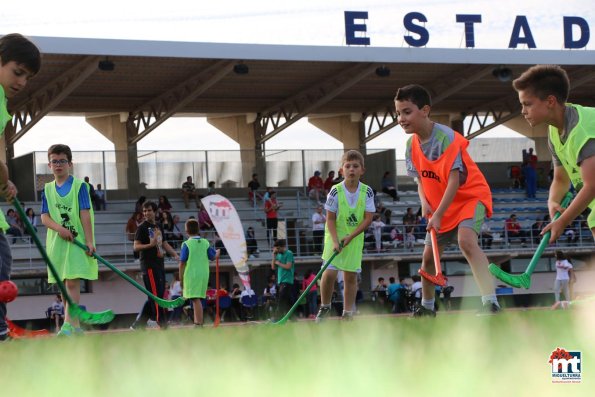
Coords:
pixel 74 309
pixel 160 301
pixel 524 279
pixel 297 302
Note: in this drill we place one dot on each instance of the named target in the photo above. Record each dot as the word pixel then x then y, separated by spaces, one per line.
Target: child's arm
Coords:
pixel 7 188
pixel 360 228
pixel 88 229
pixel 449 195
pixel 181 269
pixel 48 222
pixel 582 200
pixel 331 221
pixel 425 206
pixel 274 260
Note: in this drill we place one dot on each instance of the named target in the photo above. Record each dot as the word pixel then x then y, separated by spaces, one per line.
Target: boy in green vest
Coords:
pixel 19 61
pixel 349 207
pixel 543 91
pixel 67 213
pixel 194 268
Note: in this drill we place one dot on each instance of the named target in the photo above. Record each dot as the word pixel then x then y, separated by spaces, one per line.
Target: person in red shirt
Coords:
pixel 514 230
pixel 316 186
pixel 270 208
pixel 329 182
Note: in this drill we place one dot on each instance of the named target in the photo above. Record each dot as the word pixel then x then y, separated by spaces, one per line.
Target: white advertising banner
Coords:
pixel 227 222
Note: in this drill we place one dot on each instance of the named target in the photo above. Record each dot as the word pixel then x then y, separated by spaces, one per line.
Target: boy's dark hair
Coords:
pixel 60 148
pixel 543 81
pixel 414 93
pixel 352 155
pixel 18 48
pixel 192 226
pixel 280 243
pixel 150 204
pixel 391 280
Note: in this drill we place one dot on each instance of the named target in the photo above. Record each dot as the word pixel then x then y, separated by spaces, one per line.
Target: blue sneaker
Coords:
pixel 66 330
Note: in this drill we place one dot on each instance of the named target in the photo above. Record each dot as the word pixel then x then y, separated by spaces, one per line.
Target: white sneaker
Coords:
pixel 151 324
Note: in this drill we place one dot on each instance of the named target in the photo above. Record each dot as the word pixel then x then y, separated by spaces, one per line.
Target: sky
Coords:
pixel 306 22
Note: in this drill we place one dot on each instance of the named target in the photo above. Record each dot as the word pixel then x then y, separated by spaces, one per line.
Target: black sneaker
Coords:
pixel 423 312
pixel 489 309
pixel 5 337
pixel 322 313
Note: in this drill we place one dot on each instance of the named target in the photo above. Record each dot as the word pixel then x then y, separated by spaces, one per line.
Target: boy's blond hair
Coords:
pixel 352 155
pixel 543 81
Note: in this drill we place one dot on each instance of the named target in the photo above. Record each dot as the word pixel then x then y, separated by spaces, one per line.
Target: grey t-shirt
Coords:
pixel 441 138
pixel 571 119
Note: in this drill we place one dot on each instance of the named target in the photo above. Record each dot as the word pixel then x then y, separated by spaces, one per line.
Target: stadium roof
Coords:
pixel 170 78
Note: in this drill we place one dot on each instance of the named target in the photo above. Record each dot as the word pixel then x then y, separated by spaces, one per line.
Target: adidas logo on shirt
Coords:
pixel 352 220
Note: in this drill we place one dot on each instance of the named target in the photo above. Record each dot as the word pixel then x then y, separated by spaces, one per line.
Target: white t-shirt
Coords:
pixel 316 217
pixel 332 201
pixel 562 268
pixel 175 289
pixel 416 289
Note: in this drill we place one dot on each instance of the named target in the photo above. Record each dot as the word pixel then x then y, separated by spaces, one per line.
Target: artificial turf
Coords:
pixel 452 355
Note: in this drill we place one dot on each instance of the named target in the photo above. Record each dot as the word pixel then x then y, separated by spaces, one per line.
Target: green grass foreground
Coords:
pixel 452 355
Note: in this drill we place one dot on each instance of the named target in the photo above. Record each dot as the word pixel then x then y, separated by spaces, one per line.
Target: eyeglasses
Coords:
pixel 59 162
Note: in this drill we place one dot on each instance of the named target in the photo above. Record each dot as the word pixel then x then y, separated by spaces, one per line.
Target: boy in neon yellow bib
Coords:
pixel 19 61
pixel 194 268
pixel 543 91
pixel 67 213
pixel 349 206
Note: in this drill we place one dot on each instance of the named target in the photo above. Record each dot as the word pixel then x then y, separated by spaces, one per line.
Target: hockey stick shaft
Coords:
pixel 545 240
pixel 74 309
pixel 160 301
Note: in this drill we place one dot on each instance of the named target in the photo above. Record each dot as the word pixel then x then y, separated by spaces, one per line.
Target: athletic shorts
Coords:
pixel 452 235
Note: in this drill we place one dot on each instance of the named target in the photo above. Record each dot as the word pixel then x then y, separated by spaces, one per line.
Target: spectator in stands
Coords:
pixel 388 186
pixel 416 289
pixel 328 182
pixel 251 243
pixel 91 193
pixel 515 173
pixel 133 223
pixel 377 225
pixel 15 226
pixel 138 206
pixel 381 210
pixel 514 230
pixel 563 272
pixel 189 192
pixel 271 206
pixel 253 187
pixel 536 229
pixel 164 205
pixel 210 188
pixel 486 235
pixel 339 177
pixel 316 187
pixel 167 224
pixel 100 203
pixel 177 232
pixel 379 294
pixel 393 295
pixel 409 218
pixel 56 312
pixel 396 236
pixel 32 218
pixel 204 220
pixel 318 222
pixel 267 194
pixel 530 176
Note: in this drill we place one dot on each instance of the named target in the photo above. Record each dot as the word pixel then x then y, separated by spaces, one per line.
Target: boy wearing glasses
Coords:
pixel 19 61
pixel 67 213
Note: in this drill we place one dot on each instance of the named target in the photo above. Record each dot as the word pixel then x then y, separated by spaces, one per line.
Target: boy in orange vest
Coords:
pixel 451 189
